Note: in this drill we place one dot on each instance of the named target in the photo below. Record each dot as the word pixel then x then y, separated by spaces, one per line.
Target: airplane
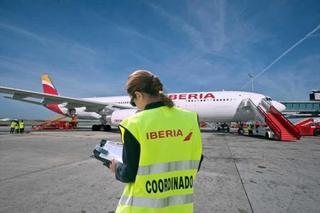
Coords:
pixel 5 119
pixel 211 106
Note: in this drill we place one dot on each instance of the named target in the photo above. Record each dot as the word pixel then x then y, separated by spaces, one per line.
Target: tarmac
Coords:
pixel 54 172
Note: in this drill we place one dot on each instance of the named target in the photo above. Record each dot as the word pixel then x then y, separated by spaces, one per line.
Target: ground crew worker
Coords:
pixel 250 129
pixel 21 126
pixel 240 130
pixel 162 151
pixel 16 127
pixel 12 126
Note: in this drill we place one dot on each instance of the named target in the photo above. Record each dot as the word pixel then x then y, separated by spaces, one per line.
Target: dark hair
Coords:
pixel 145 81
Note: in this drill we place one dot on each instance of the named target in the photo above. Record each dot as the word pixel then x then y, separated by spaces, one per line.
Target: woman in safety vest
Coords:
pixel 12 126
pixel 162 150
pixel 21 126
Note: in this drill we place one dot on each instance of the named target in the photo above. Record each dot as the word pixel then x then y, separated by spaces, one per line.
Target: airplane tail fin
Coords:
pixel 48 86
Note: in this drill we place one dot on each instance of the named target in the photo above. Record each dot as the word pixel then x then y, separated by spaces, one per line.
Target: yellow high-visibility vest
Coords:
pixel 170 152
pixel 13 124
pixel 21 125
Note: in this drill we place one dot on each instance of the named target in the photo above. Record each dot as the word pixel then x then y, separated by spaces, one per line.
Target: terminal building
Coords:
pixel 309 108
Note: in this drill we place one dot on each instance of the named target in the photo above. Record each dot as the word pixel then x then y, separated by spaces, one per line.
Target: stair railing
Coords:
pixel 284 121
pixel 262 110
pixel 276 130
pixel 255 108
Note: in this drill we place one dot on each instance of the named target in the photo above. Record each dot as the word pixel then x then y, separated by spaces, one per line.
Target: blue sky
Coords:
pixel 89 47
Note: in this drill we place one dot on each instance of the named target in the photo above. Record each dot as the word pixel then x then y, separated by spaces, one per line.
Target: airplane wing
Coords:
pixel 44 99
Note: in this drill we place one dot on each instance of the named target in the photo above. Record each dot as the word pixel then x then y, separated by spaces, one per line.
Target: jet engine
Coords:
pixel 118 115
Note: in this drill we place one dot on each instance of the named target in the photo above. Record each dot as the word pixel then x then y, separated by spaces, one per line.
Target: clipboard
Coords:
pixel 107 150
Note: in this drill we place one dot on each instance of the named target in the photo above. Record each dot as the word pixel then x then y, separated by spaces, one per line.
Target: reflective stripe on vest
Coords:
pixel 168 162
pixel 168 167
pixel 156 202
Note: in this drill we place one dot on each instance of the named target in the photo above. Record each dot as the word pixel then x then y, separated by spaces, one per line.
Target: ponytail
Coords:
pixel 166 100
pixel 145 81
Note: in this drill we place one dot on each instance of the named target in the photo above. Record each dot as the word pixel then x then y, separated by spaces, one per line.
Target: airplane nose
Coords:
pixel 279 106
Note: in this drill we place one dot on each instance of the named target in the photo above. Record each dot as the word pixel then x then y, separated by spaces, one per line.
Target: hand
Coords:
pixel 112 166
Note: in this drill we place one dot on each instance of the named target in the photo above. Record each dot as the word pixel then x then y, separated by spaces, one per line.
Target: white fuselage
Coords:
pixel 219 106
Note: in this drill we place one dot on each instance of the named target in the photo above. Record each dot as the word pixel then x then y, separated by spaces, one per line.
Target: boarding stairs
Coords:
pixel 282 128
pixel 309 126
pixel 304 122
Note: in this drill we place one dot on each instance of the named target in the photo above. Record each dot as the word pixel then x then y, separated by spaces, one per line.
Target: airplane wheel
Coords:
pixel 218 129
pixel 106 128
pixel 316 132
pixel 95 127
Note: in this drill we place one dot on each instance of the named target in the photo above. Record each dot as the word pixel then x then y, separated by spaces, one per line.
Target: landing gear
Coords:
pixel 107 128
pixel 101 127
pixel 95 127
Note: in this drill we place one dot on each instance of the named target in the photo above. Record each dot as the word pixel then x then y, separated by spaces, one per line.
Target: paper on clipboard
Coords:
pixel 107 150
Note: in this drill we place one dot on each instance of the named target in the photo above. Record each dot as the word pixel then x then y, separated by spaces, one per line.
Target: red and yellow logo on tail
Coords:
pixel 47 85
pixel 48 88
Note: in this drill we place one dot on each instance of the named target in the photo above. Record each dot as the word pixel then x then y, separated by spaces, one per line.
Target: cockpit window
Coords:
pixel 269 99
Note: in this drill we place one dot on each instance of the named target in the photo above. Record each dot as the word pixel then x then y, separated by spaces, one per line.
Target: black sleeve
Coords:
pixel 201 159
pixel 126 172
